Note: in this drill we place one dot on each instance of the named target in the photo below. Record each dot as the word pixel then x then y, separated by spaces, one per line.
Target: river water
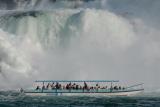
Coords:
pixel 13 99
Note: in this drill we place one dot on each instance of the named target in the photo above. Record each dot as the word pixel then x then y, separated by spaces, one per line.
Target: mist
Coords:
pixel 105 39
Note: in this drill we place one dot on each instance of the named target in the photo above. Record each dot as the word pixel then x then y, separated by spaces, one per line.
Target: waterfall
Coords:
pixel 108 39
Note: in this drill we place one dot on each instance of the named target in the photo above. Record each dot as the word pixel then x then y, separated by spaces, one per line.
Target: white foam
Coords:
pixel 79 44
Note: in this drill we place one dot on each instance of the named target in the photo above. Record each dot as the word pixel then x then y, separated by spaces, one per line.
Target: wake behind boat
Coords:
pixel 83 87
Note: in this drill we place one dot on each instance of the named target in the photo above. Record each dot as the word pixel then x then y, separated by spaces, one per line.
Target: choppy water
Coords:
pixel 10 99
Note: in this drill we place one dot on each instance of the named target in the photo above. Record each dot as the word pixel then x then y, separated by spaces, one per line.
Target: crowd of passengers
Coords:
pixel 75 86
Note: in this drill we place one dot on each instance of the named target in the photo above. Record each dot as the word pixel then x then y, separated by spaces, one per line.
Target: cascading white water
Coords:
pixel 80 43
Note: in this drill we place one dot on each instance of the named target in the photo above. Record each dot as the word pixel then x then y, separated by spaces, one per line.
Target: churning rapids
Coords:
pixel 83 39
pixel 13 99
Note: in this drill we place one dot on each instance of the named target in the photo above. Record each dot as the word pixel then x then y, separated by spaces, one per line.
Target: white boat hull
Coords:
pixel 129 93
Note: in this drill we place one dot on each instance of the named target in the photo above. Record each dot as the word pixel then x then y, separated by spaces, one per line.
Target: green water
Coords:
pixel 12 99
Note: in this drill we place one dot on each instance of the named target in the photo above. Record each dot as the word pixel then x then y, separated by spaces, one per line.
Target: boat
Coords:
pixel 82 88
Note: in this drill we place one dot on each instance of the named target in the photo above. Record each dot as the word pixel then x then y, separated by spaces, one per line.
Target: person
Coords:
pixel 91 87
pixel 57 85
pixel 106 87
pixel 43 87
pixel 37 88
pixel 70 85
pixel 115 88
pixel 123 88
pixel 77 87
pixel 97 86
pixel 74 86
pixel 85 85
pixel 119 87
pixel 53 86
pixel 47 87
pixel 67 86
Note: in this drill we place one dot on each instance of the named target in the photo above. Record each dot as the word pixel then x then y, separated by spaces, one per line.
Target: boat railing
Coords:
pixel 136 86
pixel 112 88
pixel 81 90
